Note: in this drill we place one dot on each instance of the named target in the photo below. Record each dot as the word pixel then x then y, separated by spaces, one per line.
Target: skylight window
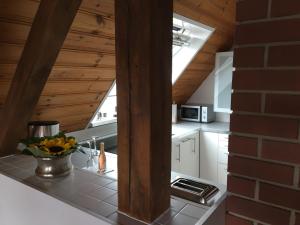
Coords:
pixel 188 38
pixel 107 111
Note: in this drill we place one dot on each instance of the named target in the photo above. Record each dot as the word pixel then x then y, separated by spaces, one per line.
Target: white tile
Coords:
pixel 101 193
pixel 113 200
pixel 166 217
pixel 124 220
pixel 181 219
pixel 193 211
pixel 177 205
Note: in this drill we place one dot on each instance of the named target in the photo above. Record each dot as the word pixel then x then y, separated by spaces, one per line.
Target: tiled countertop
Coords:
pixel 97 194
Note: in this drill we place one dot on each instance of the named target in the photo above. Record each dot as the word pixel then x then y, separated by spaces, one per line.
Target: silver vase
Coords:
pixel 54 167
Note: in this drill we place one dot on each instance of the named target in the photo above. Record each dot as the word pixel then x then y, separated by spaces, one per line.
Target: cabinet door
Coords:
pixel 175 162
pixel 223 149
pixel 222 173
pixel 209 156
pixel 223 82
pixel 189 157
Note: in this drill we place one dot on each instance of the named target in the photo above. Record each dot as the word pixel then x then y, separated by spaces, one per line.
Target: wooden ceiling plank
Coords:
pixel 54 101
pixel 13 33
pixel 55 113
pixel 91 23
pixel 12 53
pixel 66 73
pixel 34 67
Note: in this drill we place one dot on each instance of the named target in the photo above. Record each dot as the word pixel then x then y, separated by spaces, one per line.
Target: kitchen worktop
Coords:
pixel 96 194
pixel 184 128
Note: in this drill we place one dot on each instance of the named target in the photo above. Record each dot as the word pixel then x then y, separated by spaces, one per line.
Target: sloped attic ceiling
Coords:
pixel 85 68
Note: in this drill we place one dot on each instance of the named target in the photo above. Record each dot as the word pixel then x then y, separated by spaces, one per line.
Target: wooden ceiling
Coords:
pixel 85 67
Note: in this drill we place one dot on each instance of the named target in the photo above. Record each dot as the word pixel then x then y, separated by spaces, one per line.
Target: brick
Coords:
pixel 263 125
pixel 268 32
pixel 241 186
pixel 233 220
pixel 285 8
pixel 283 104
pixel 284 56
pixel 258 211
pixel 297 219
pixel 270 193
pixel 272 80
pixel 243 145
pixel 281 151
pixel 248 102
pixel 249 57
pixel 251 10
pixel 263 170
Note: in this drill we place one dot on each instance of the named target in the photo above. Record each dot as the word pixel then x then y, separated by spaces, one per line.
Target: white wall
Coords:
pixel 205 95
pixel 23 205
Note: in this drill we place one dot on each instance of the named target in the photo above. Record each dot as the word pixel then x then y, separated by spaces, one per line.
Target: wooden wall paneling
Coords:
pixel 16 33
pixel 66 73
pixel 57 100
pixel 12 52
pixel 88 51
pixel 69 87
pixel 144 67
pixel 34 67
pixel 42 113
pixel 87 22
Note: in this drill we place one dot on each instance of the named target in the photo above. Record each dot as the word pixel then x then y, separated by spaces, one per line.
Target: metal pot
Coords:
pixel 43 128
pixel 54 167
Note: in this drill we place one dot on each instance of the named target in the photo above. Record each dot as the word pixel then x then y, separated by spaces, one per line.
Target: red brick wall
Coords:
pixel 264 161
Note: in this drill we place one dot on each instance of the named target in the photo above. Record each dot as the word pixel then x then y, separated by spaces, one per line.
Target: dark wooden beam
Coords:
pixel 144 64
pixel 48 32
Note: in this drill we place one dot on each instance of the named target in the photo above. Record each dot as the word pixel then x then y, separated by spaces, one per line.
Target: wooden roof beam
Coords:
pixel 144 69
pixel 48 32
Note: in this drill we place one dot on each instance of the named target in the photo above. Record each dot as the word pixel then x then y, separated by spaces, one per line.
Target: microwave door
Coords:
pixel 191 113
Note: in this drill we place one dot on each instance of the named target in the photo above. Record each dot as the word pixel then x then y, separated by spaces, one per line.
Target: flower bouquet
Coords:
pixel 53 154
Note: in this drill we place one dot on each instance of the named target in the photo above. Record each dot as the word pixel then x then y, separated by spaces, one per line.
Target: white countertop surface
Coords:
pixel 185 128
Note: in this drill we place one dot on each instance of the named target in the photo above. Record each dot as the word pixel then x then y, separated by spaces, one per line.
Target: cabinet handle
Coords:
pixel 178 152
pixel 194 149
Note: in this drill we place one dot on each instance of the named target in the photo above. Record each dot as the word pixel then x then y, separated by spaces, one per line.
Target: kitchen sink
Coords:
pixel 193 190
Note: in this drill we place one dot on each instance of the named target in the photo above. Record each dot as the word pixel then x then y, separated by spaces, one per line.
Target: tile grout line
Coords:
pixel 257 186
pixel 296 176
pixel 269 9
pixel 293 217
pixel 263 102
pixel 259 147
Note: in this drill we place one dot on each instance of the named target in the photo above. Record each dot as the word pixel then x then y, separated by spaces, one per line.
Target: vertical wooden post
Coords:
pixel 48 32
pixel 144 68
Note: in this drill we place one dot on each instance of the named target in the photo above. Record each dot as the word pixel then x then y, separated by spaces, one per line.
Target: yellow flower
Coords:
pixel 72 141
pixel 67 146
pixel 44 142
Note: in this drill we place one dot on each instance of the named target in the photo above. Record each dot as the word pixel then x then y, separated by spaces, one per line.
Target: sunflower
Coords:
pixel 54 146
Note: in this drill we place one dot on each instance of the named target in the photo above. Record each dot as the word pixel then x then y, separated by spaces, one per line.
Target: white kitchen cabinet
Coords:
pixel 222 173
pixel 185 155
pixel 214 156
pixel 223 82
pixel 175 162
pixel 209 155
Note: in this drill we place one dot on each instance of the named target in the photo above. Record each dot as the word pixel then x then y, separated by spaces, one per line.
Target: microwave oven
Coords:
pixel 198 113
